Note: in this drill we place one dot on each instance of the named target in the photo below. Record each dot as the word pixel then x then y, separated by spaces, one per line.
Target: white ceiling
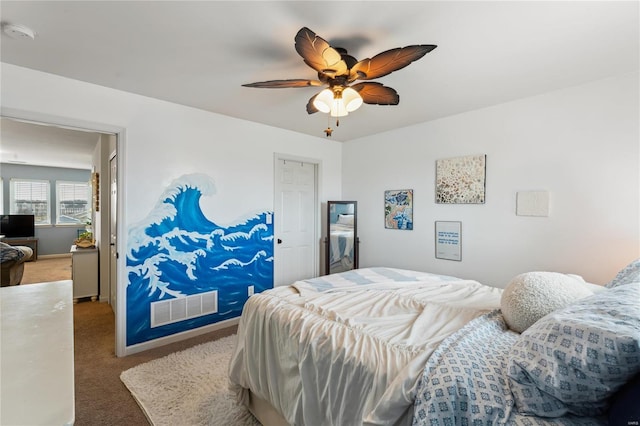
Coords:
pixel 199 53
pixel 42 145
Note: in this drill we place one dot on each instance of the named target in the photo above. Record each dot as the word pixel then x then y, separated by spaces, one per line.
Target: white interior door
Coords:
pixel 113 248
pixel 295 221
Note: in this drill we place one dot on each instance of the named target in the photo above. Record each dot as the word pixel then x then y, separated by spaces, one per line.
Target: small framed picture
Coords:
pixel 398 209
pixel 448 238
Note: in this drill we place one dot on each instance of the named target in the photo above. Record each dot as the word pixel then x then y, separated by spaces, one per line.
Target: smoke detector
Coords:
pixel 19 32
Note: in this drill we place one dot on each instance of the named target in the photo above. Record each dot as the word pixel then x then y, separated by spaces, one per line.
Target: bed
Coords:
pixel 386 346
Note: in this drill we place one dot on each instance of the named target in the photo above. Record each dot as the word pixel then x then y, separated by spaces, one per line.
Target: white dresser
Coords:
pixel 36 354
pixel 84 272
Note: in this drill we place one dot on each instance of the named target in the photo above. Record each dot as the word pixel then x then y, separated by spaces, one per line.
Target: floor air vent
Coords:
pixel 174 310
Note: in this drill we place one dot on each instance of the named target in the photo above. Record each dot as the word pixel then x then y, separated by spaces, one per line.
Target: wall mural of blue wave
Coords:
pixel 176 251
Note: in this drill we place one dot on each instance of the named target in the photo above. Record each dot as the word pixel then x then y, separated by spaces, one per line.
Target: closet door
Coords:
pixel 295 226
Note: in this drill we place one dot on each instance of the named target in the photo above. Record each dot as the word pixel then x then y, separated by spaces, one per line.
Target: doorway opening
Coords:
pixel 39 146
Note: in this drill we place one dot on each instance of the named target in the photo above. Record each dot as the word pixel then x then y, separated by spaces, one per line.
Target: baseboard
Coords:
pixel 53 256
pixel 140 347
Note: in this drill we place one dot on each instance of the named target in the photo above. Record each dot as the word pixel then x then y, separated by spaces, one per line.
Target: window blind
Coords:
pixel 73 204
pixel 30 197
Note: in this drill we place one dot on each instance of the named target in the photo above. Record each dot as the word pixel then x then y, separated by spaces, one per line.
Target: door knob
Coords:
pixel 279 241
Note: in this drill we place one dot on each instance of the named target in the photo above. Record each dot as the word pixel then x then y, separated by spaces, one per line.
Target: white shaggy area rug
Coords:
pixel 189 388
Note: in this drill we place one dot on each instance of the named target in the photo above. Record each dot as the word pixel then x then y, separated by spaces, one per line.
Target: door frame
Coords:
pixel 317 229
pixel 112 265
pixel 120 134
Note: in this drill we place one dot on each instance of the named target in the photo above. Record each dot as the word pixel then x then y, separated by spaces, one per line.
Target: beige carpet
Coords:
pixel 47 269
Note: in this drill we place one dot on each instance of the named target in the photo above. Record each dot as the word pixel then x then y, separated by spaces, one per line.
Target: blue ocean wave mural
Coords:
pixel 176 251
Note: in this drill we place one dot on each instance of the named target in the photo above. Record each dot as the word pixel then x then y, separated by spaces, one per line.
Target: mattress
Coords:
pixel 349 348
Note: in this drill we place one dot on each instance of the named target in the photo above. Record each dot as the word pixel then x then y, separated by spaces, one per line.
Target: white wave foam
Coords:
pixel 236 262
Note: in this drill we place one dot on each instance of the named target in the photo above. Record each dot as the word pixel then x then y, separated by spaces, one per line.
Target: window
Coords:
pixel 30 197
pixel 73 202
pixel 1 196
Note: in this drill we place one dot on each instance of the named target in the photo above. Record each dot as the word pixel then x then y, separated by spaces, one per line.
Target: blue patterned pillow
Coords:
pixel 630 274
pixel 575 358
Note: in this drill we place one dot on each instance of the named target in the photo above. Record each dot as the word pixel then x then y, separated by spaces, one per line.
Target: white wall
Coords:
pixel 163 141
pixel 580 144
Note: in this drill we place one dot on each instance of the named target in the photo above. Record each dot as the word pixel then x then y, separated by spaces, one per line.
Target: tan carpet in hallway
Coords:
pixel 100 397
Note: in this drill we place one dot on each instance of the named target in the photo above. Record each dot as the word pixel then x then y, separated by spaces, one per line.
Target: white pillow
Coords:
pixel 532 295
pixel 345 219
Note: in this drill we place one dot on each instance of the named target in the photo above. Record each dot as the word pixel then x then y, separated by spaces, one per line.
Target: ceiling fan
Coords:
pixel 339 71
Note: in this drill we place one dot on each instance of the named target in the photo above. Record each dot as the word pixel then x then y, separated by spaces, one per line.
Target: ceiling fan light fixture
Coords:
pixel 324 100
pixel 338 101
pixel 352 99
pixel 338 109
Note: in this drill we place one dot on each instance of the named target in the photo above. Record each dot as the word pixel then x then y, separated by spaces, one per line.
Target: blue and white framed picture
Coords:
pixel 398 209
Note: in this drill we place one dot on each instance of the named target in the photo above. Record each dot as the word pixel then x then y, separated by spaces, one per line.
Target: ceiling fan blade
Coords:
pixel 389 61
pixel 280 84
pixel 318 54
pixel 311 109
pixel 377 94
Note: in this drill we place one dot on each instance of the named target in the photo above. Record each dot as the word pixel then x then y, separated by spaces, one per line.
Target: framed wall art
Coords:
pixel 398 209
pixel 461 180
pixel 448 237
pixel 95 191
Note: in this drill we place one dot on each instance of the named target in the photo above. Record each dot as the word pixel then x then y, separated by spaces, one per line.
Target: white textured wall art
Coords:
pixel 532 203
pixel 461 180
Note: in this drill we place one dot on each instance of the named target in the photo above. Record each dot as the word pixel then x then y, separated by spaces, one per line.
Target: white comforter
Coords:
pixel 349 348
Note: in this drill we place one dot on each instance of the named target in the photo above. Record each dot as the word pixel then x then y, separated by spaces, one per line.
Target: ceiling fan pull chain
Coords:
pixel 328 130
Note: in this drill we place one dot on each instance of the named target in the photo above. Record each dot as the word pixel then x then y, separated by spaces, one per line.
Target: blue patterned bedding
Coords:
pixel 367 276
pixel 465 380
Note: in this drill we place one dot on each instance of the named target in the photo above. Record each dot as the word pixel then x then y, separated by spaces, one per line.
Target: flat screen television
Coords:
pixel 17 225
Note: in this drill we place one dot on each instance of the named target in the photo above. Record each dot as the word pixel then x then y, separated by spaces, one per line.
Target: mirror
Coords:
pixel 342 242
